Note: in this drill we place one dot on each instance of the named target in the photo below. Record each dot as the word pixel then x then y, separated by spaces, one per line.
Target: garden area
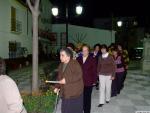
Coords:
pixel 44 102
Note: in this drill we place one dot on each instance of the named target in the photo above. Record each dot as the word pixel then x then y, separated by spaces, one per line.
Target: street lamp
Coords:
pixel 119 23
pixel 55 11
pixel 79 10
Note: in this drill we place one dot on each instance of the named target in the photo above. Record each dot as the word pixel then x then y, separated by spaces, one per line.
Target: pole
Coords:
pixel 111 26
pixel 66 23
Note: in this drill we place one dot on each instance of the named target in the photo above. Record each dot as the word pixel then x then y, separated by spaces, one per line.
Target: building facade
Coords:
pixel 16 28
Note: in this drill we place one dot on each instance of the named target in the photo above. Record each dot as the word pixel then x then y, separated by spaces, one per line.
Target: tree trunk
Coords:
pixel 35 13
pixel 35 83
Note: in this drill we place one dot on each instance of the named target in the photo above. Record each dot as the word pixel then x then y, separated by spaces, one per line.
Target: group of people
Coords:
pixel 79 71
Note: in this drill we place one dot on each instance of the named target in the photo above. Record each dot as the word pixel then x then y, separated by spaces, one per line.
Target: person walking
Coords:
pixel 10 98
pixel 124 53
pixel 106 72
pixel 89 68
pixel 118 82
pixel 95 54
pixel 70 83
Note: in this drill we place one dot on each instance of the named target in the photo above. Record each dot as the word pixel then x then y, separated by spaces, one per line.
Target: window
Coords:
pixel 16 25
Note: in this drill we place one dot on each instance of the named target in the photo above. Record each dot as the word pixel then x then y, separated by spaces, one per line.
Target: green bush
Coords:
pixel 44 103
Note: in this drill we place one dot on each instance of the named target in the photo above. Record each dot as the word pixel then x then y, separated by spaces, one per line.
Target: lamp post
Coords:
pixel 119 23
pixel 67 22
pixel 55 12
pixel 79 9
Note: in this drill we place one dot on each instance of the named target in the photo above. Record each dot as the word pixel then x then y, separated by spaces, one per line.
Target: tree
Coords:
pixel 34 7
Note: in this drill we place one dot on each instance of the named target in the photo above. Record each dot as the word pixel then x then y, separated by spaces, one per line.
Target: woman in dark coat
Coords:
pixel 95 54
pixel 70 83
pixel 88 64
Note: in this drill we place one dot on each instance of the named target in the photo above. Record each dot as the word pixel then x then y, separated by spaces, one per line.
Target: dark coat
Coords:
pixel 89 69
pixel 97 56
pixel 74 80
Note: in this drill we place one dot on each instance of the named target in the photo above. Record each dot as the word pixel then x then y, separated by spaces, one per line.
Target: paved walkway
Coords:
pixel 134 97
pixel 23 76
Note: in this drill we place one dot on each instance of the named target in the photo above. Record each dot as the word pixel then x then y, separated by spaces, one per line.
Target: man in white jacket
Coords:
pixel 10 99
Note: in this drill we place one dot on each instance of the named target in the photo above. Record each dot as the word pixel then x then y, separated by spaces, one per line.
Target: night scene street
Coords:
pixel 74 56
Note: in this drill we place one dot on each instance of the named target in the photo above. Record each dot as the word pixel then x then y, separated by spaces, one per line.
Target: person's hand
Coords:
pixel 94 84
pixel 112 78
pixel 56 90
pixel 63 81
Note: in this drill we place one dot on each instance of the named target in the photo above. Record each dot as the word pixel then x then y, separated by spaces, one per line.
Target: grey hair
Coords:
pixel 2 67
pixel 67 51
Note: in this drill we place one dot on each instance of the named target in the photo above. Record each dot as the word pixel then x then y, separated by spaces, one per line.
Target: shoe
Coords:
pixel 100 105
pixel 113 95
pixel 118 93
pixel 107 102
pixel 97 88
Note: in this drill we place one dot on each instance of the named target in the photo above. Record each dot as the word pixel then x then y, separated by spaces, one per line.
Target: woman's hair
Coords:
pixel 115 49
pixel 97 45
pixel 2 67
pixel 71 45
pixel 104 46
pixel 121 45
pixel 85 45
pixel 68 52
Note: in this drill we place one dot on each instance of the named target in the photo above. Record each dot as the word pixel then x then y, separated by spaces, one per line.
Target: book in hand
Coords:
pixel 52 82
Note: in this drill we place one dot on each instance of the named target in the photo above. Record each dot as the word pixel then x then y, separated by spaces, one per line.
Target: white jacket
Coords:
pixel 10 99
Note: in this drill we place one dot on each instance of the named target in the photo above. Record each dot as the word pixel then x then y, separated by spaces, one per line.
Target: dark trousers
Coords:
pixel 114 88
pixel 117 84
pixel 87 99
pixel 124 78
pixel 73 105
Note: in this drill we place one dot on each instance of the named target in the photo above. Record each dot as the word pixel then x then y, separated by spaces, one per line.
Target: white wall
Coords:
pixel 5 25
pixel 93 35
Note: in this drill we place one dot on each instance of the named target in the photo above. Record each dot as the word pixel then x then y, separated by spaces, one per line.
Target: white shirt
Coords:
pixel 105 55
pixel 84 59
pixel 95 53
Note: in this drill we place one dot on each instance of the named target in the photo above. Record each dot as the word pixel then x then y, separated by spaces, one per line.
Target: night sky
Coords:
pixel 104 9
pixel 93 9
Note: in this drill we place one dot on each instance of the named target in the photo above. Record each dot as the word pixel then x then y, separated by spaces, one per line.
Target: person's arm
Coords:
pixel 12 96
pixel 113 67
pixel 75 75
pixel 126 58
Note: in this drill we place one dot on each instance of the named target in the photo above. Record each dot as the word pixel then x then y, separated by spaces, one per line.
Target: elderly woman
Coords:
pixel 10 99
pixel 88 64
pixel 96 53
pixel 70 83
